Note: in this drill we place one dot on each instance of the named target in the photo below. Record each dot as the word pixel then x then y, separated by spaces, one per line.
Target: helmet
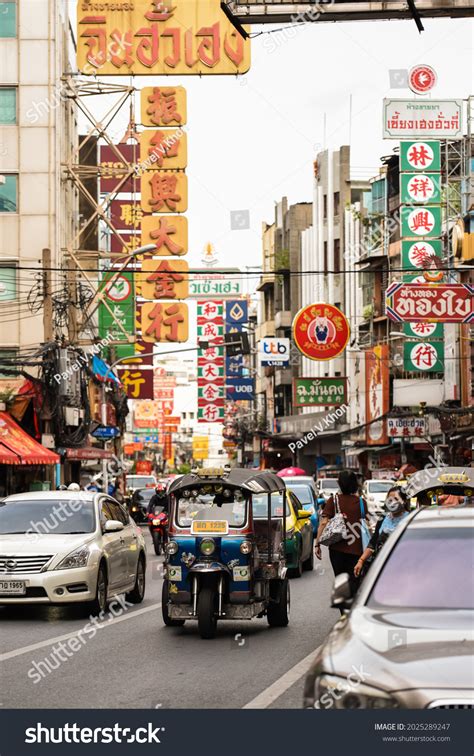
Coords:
pixel 73 487
pixel 160 487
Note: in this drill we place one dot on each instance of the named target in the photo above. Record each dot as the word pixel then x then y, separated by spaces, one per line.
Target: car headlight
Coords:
pixel 77 558
pixel 171 548
pixel 333 692
pixel 246 547
pixel 155 522
pixel 207 547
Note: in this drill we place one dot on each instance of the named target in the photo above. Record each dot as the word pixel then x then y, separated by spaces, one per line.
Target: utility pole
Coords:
pixel 48 302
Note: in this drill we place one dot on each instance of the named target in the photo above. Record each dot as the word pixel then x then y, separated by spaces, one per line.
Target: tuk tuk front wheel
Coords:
pixel 206 611
pixel 164 609
pixel 278 611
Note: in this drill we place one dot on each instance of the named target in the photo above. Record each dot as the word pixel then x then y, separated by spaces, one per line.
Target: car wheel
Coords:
pixel 137 594
pixel 164 609
pixel 296 572
pixel 308 564
pixel 206 611
pixel 278 611
pixel 100 603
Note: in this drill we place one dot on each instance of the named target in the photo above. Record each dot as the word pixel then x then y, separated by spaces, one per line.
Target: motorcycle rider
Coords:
pixel 159 498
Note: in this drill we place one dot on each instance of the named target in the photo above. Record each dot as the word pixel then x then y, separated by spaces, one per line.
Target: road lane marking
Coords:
pixel 75 633
pixel 280 686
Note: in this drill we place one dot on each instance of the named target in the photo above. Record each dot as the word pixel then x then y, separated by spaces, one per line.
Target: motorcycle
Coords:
pixel 158 524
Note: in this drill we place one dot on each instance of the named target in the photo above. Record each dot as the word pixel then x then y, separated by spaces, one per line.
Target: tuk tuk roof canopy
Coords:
pixel 254 481
pixel 450 479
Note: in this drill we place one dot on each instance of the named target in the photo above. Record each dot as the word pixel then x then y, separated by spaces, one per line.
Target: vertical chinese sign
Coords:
pixel 211 380
pixel 377 394
pixel 421 228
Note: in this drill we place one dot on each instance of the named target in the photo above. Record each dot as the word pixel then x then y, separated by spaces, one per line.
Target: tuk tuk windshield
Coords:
pixel 204 507
pixel 260 502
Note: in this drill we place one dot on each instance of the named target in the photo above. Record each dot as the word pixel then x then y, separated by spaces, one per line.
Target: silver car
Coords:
pixel 407 640
pixel 68 547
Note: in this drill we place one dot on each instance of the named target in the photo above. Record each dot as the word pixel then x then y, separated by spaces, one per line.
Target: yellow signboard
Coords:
pixel 166 322
pixel 164 192
pixel 153 37
pixel 168 233
pixel 164 279
pixel 200 453
pixel 209 526
pixel 201 442
pixel 163 106
pixel 163 149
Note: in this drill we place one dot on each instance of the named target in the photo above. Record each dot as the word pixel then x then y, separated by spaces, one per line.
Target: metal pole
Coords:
pixel 103 417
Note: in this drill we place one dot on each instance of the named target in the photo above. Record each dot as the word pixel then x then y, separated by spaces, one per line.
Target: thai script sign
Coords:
pixel 150 38
pixel 319 392
pixel 215 284
pixel 400 427
pixel 422 118
pixel 432 303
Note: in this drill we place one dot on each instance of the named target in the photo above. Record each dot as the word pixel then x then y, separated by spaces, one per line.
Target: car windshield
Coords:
pixel 303 492
pixel 144 495
pixel 429 568
pixel 140 481
pixel 330 484
pixel 47 516
pixel 205 507
pixel 259 506
pixel 379 486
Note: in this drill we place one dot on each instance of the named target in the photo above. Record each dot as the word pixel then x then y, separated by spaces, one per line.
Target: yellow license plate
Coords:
pixel 209 526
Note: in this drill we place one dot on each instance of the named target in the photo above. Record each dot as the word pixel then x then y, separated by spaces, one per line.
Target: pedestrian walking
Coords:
pixel 345 552
pixel 397 506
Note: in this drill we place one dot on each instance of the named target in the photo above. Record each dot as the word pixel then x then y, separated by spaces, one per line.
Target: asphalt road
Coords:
pixel 133 661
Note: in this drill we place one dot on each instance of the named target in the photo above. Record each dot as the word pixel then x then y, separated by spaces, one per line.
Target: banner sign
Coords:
pixel 420 156
pixel 401 427
pixel 121 307
pixel 147 38
pixel 377 394
pixel 423 255
pixel 438 119
pixel 319 392
pixel 430 303
pixel 215 284
pixel 424 355
pixel 240 389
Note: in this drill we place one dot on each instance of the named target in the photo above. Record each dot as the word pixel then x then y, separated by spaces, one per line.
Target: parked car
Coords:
pixel 407 640
pixel 299 531
pixel 304 488
pixel 134 482
pixel 90 553
pixel 327 487
pixel 375 493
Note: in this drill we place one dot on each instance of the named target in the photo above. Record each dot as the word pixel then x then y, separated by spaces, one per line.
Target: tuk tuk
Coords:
pixel 441 486
pixel 225 556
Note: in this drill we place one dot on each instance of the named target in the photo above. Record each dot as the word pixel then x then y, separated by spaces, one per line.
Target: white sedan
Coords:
pixel 69 547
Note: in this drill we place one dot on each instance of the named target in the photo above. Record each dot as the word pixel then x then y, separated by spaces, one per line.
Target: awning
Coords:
pixel 18 448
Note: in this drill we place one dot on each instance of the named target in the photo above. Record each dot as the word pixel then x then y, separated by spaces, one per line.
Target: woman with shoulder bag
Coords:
pixel 345 543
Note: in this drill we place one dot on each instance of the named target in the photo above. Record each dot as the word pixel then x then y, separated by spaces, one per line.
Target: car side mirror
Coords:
pixel 303 514
pixel 113 526
pixel 342 596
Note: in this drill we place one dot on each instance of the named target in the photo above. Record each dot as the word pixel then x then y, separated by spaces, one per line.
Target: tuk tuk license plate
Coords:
pixel 12 588
pixel 209 526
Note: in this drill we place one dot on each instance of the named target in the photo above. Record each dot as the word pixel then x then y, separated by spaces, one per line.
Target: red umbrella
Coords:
pixel 289 472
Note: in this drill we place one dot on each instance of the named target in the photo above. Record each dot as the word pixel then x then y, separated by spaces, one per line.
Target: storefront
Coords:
pixel 25 465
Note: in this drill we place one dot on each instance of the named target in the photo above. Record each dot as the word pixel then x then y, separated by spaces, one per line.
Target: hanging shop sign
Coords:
pixel 137 382
pixel 319 392
pixel 422 254
pixel 236 312
pixel 125 214
pixel 377 394
pixel 146 38
pixel 116 310
pixel 166 322
pixel 272 351
pixel 164 192
pixel 420 188
pixel 426 356
pixel 321 331
pixel 420 221
pixel 115 164
pixel 210 370
pixel 438 119
pixel 164 279
pixel 420 156
pixel 216 283
pixel 169 234
pixel 425 330
pixel 163 106
pixel 403 427
pixel 421 79
pixel 430 303
pixel 163 149
pixel 240 389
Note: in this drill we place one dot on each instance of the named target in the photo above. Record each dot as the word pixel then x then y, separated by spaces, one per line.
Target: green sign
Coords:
pixel 422 254
pixel 420 188
pixel 421 222
pixel 120 299
pixel 429 331
pixel 420 156
pixel 424 356
pixel 319 392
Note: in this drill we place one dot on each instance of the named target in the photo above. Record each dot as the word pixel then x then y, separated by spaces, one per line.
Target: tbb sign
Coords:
pixel 430 303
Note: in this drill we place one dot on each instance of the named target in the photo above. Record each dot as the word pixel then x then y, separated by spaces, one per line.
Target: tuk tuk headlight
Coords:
pixel 207 547
pixel 246 547
pixel 171 548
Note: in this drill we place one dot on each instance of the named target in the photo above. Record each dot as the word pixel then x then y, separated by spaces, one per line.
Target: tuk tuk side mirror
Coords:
pixel 303 514
pixel 342 597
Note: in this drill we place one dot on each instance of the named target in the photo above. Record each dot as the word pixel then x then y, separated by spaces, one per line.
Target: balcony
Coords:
pixel 267 328
pixel 283 319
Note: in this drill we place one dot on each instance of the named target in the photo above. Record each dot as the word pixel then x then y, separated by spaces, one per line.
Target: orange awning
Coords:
pixel 18 448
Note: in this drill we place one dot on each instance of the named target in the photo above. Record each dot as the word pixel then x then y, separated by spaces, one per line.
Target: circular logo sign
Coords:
pixel 119 290
pixel 421 79
pixel 320 331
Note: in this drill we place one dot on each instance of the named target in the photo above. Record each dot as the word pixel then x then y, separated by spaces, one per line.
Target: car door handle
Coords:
pixel 122 540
